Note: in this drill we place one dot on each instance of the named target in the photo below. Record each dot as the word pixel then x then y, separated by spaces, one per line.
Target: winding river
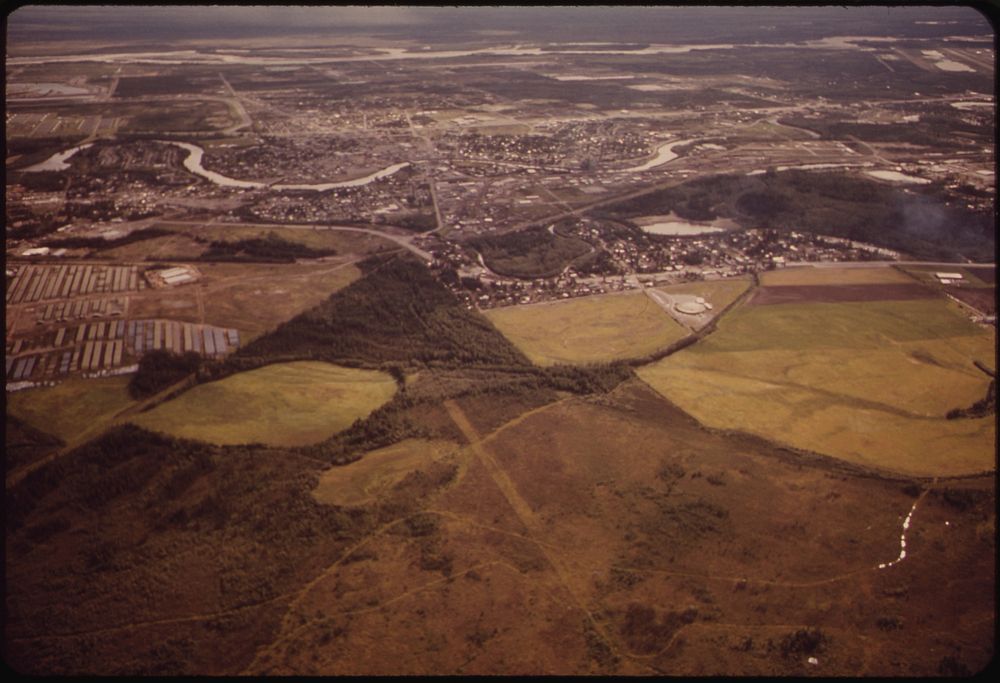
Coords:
pixel 57 162
pixel 664 153
pixel 896 177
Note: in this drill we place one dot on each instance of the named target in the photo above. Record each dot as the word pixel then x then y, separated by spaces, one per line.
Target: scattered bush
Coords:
pixel 268 249
pixel 963 499
pixel 806 641
pixel 981 408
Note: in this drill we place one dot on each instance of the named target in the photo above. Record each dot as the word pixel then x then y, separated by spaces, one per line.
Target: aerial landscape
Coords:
pixel 532 340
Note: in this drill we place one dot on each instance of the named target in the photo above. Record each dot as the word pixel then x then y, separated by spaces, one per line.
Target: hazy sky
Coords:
pixel 250 15
pixel 442 22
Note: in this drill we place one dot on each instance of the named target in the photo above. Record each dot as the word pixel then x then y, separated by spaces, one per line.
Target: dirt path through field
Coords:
pixel 524 513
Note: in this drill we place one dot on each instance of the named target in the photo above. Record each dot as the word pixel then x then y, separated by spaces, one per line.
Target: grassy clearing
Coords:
pixel 361 481
pixel 286 404
pixel 817 422
pixel 71 407
pixel 925 378
pixel 851 325
pixel 809 275
pixel 867 382
pixel 588 330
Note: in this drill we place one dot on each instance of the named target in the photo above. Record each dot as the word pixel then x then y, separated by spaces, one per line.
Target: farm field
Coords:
pixel 784 294
pixel 72 406
pixel 867 382
pixel 809 275
pixel 858 325
pixel 286 404
pixel 588 330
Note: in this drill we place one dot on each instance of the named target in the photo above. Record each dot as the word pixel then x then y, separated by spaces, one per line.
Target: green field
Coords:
pixel 851 325
pixel 71 407
pixel 361 481
pixel 810 275
pixel 867 382
pixel 285 404
pixel 592 329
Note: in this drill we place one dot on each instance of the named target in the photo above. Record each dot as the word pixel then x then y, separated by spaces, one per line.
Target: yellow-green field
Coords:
pixel 719 293
pixel 590 329
pixel 71 407
pixel 361 481
pixel 869 382
pixel 285 404
pixel 809 275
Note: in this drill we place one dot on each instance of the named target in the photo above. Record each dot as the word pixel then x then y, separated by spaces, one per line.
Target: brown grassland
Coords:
pixel 524 529
pixel 602 535
pixel 785 294
pixel 983 300
pixel 251 297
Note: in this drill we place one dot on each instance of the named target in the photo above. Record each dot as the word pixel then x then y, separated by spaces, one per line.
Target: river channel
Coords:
pixel 664 153
pixel 57 162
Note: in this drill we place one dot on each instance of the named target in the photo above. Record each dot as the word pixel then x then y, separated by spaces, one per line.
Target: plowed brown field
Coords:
pixel 787 294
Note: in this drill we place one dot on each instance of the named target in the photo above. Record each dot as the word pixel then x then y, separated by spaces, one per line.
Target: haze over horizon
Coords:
pixel 443 24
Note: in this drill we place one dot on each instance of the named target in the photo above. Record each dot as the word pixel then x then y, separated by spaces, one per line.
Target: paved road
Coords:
pixel 877 264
